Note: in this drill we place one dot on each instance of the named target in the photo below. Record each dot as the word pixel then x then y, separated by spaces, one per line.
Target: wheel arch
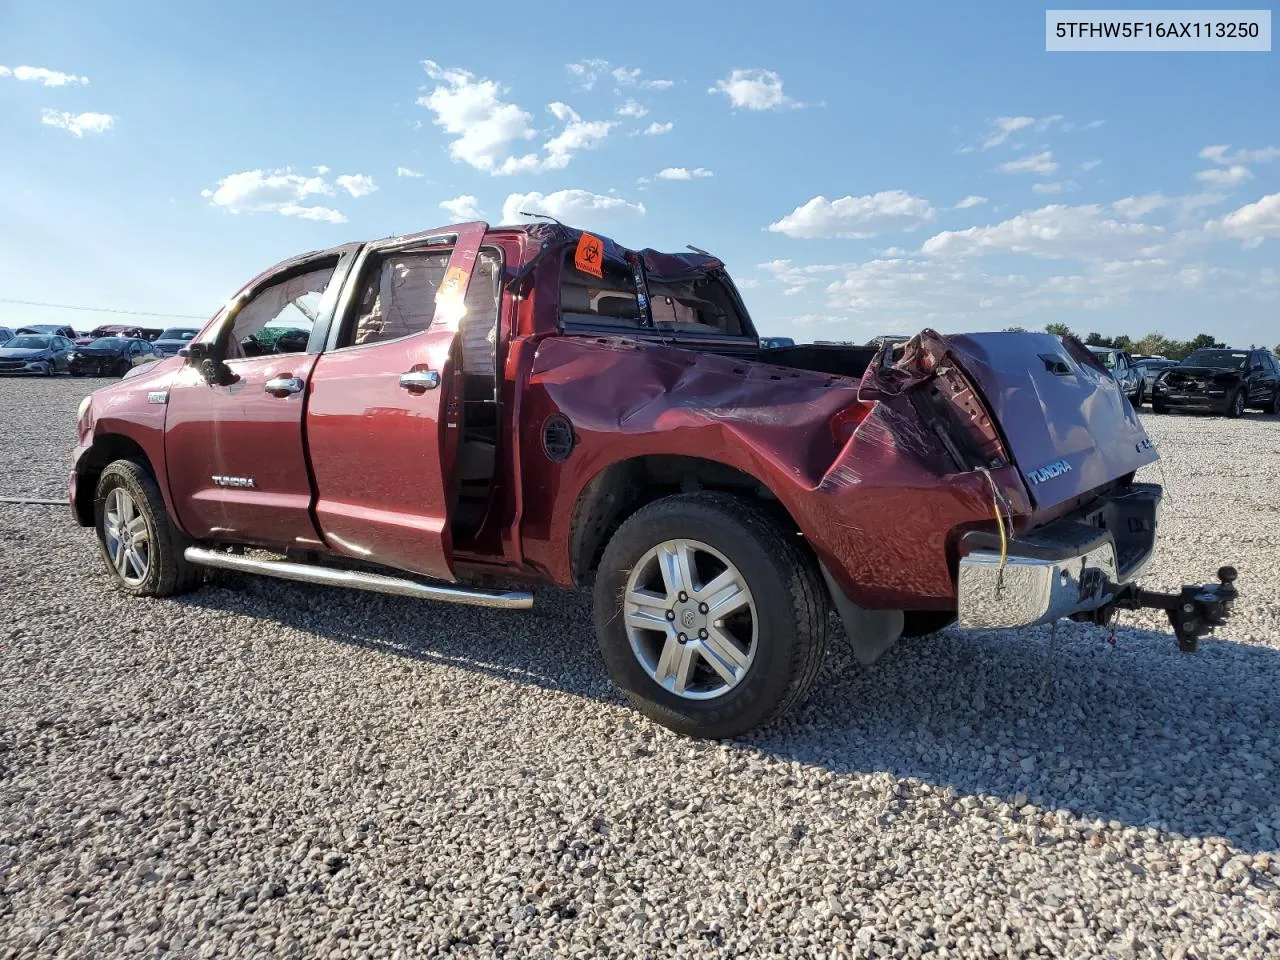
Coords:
pixel 619 489
pixel 106 449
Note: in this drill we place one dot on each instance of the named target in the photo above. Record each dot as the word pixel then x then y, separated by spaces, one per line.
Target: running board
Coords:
pixel 355 580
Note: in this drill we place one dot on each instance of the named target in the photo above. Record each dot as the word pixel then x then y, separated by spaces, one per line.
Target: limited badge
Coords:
pixel 451 287
pixel 589 257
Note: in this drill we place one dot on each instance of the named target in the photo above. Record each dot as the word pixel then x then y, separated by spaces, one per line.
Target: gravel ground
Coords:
pixel 266 769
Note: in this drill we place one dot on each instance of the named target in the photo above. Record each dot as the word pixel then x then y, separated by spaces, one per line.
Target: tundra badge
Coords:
pixel 1049 471
pixel 233 481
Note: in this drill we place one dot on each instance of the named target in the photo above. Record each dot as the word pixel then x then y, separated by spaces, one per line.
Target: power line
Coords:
pixel 131 313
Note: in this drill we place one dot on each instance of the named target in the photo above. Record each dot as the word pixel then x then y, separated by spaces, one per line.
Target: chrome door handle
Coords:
pixel 284 386
pixel 420 380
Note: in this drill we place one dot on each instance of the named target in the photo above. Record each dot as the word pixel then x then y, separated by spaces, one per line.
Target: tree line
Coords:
pixel 1152 345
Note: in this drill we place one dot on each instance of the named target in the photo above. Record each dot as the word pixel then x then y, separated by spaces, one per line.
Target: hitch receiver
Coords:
pixel 1193 612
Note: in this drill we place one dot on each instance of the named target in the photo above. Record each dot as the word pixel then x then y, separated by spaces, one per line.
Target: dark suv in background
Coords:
pixel 1220 381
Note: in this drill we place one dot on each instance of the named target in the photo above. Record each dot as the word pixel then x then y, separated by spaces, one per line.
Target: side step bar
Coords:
pixel 355 580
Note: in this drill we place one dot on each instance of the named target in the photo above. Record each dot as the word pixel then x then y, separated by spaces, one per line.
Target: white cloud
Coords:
pixel 855 217
pixel 1057 186
pixel 1218 154
pixel 274 191
pixel 972 200
pixel 631 109
pixel 1040 163
pixel 407 172
pixel 683 173
pixel 1093 125
pixel 357 184
pixel 1003 128
pixel 587 72
pixel 1089 165
pixel 794 278
pixel 1137 207
pixel 43 76
pixel 1252 223
pixel 465 207
pixel 322 169
pixel 484 125
pixel 754 90
pixel 78 123
pixel 570 206
pixel 1052 232
pixel 656 129
pixel 578 134
pixel 1225 176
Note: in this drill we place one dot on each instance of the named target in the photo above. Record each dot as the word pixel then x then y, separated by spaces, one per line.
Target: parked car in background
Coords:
pixel 48 329
pixel 6 334
pixel 31 353
pixel 772 343
pixel 1150 368
pixel 1220 381
pixel 151 334
pixel 173 339
pixel 111 357
pixel 1120 366
pixel 108 330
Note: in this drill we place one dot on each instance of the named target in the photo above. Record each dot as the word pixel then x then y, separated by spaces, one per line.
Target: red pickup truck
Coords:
pixel 440 414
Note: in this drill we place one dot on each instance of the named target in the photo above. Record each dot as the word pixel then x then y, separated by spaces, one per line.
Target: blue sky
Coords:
pixel 861 169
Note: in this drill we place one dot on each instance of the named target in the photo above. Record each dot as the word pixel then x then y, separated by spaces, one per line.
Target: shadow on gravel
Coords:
pixel 1136 733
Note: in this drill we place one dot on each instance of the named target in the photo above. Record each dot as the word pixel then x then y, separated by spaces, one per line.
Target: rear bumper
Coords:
pixel 1074 565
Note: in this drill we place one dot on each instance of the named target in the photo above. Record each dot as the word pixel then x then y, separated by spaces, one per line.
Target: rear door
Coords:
pixel 384 406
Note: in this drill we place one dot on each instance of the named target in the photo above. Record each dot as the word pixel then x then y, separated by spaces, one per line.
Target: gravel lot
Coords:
pixel 268 769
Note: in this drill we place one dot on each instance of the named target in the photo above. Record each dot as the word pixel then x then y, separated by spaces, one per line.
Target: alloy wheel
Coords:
pixel 690 619
pixel 124 531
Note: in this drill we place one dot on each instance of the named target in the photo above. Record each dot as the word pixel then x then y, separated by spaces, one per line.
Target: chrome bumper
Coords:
pixel 1029 591
pixel 1066 568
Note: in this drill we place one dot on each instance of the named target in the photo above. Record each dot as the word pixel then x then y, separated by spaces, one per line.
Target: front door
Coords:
pixel 234 450
pixel 384 411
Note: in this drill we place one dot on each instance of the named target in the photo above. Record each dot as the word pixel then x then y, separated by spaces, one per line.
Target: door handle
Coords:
pixel 420 380
pixel 284 386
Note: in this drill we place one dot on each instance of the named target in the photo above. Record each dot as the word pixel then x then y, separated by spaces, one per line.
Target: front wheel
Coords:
pixel 1273 407
pixel 711 617
pixel 1158 407
pixel 1235 408
pixel 121 368
pixel 1139 396
pixel 141 547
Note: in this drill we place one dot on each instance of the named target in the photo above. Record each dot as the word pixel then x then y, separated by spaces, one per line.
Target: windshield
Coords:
pixel 178 333
pixel 29 343
pixel 110 344
pixel 1223 359
pixel 1107 357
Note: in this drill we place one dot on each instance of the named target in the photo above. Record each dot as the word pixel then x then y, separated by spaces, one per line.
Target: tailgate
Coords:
pixel 1067 423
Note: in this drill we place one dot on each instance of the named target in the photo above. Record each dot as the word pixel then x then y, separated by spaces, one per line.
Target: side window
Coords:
pixel 610 299
pixel 697 306
pixel 397 297
pixel 279 318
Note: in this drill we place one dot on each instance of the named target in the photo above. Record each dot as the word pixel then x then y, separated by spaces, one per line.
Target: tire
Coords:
pixel 50 369
pixel 121 368
pixel 76 373
pixel 166 571
pixel 1235 406
pixel 1273 407
pixel 1158 407
pixel 1140 396
pixel 786 606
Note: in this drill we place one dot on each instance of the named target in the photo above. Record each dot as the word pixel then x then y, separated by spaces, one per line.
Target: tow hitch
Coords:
pixel 1193 613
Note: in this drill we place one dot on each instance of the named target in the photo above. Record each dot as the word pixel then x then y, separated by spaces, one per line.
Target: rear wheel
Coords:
pixel 141 547
pixel 1140 396
pixel 121 368
pixel 710 616
pixel 1158 407
pixel 1273 407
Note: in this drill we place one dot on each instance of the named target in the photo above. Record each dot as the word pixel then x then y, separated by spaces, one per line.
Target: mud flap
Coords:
pixel 871 632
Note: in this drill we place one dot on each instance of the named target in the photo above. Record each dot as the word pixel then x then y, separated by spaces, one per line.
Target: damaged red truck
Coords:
pixel 441 414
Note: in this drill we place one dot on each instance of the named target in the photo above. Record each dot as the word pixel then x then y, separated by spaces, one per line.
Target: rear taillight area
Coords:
pixel 922 371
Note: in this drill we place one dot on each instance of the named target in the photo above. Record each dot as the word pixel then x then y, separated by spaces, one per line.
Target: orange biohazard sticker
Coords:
pixel 453 284
pixel 589 257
